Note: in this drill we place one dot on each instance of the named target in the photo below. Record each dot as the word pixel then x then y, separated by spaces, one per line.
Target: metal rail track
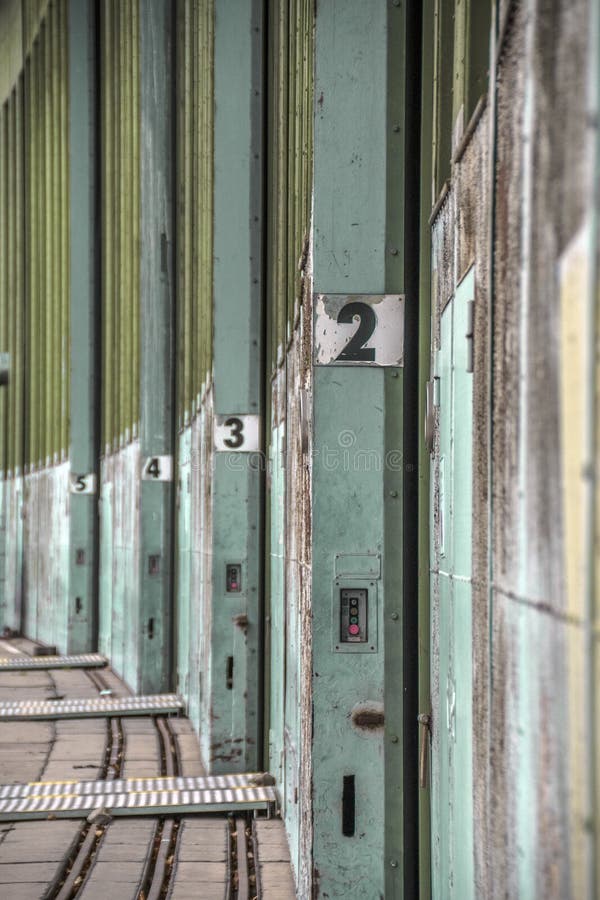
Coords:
pixel 155 881
pixel 242 877
pixel 78 860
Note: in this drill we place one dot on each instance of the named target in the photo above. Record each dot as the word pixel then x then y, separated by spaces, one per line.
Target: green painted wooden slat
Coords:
pixel 135 213
pixel 425 375
pixel 156 322
pixel 4 303
pixel 65 251
pixel 18 359
pixel 11 272
pixel 84 391
pixel 442 75
pixel 236 488
pixel 107 236
pixel 359 246
pixel 44 383
pixel 48 297
pixel 452 787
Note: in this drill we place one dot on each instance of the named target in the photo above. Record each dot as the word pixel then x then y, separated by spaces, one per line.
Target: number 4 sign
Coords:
pixel 359 330
pixel 157 468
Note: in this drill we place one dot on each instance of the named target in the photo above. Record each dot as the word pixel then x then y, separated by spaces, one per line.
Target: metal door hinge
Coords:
pixel 469 334
pixel 424 720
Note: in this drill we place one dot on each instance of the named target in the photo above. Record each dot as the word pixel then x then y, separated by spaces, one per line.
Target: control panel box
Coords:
pixel 354 625
pixel 354 616
pixel 233 578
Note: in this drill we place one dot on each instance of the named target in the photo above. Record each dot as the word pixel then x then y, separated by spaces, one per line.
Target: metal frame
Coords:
pixel 78 708
pixel 235 725
pixel 82 611
pixel 23 663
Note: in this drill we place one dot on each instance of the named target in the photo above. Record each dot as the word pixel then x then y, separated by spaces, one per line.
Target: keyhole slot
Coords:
pixel 348 807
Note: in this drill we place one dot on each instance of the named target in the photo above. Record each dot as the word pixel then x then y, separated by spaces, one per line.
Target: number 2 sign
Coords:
pixel 359 330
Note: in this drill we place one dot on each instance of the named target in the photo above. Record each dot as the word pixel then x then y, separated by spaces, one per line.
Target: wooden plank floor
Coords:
pixel 32 853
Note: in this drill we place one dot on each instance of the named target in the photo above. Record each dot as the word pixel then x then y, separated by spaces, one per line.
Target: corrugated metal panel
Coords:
pixel 120 148
pixel 195 40
pixel 47 223
pixel 290 166
pixel 11 47
pixel 33 13
pixel 4 264
pixel 17 352
pixel 289 189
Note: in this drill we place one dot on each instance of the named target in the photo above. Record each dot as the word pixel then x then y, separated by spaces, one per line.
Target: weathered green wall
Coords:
pixel 357 511
pixel 136 617
pixel 526 160
pixel 288 639
pixel 35 325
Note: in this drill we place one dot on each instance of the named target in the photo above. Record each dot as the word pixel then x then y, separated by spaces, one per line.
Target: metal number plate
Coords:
pixel 237 433
pixel 82 484
pixel 359 330
pixel 157 468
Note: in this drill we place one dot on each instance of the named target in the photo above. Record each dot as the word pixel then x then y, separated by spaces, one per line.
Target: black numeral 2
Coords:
pixel 355 350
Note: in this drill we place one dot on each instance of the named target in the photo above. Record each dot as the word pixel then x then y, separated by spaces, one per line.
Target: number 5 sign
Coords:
pixel 359 330
pixel 237 433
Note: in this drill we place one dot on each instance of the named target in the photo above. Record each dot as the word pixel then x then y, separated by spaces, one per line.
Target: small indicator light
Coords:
pixel 354 629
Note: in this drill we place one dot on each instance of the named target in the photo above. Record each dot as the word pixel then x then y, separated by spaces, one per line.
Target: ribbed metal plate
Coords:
pixel 134 796
pixel 21 663
pixel 83 708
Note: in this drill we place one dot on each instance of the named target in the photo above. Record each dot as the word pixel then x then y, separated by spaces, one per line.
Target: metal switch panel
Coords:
pixel 353 615
pixel 234 578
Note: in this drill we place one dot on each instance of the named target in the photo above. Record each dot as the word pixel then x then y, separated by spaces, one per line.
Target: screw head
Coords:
pixel 394 251
pixel 394 863
pixel 394 739
pixel 393 493
pixel 394 616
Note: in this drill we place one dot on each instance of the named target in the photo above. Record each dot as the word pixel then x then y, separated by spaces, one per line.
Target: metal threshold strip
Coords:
pixel 21 663
pixel 171 795
pixel 156 704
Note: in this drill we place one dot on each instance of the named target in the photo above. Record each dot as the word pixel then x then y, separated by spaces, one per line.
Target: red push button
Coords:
pixel 354 629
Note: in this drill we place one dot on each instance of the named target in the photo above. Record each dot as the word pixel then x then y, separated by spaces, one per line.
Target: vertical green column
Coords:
pixel 82 613
pixel 425 374
pixel 156 329
pixel 364 822
pixel 237 477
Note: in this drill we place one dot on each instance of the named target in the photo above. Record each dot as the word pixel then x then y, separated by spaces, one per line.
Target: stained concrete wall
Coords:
pixel 533 737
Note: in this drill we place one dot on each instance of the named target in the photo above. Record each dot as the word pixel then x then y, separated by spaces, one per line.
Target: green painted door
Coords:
pixel 452 780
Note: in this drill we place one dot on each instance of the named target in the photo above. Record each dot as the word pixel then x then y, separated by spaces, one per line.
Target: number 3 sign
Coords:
pixel 359 330
pixel 237 433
